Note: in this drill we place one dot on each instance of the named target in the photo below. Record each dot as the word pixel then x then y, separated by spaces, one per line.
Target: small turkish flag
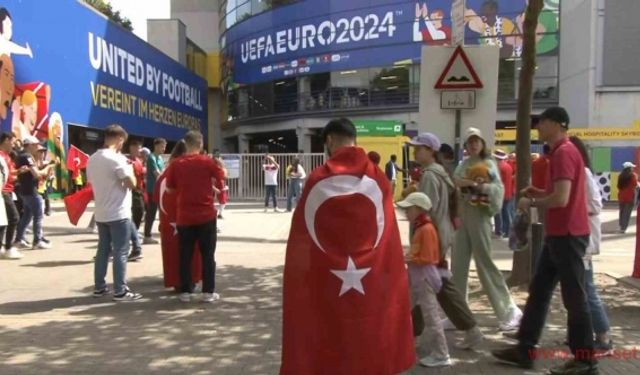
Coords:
pixel 346 298
pixel 76 160
pixel 76 203
pixel 169 238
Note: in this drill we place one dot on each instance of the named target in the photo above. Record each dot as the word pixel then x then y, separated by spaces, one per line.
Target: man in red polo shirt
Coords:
pixel 567 236
pixel 192 177
pixel 8 233
pixel 504 218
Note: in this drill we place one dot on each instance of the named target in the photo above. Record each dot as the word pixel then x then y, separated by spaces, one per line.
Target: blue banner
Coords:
pixel 314 36
pixel 64 63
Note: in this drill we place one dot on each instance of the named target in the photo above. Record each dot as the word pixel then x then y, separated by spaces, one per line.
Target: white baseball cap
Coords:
pixel 416 199
pixel 30 140
pixel 426 139
pixel 628 164
pixel 473 132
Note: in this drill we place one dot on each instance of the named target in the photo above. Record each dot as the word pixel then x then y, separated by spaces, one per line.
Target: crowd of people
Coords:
pixel 26 177
pixel 454 210
pixel 127 190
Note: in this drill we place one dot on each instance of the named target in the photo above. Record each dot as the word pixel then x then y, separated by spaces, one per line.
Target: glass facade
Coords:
pixel 312 80
pixel 234 11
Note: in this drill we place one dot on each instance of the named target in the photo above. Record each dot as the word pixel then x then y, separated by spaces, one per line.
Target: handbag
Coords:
pixel 418 320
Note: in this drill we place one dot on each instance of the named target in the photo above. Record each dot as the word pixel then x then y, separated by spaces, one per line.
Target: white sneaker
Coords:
pixel 472 338
pixel 2 253
pixel 429 361
pixel 447 325
pixel 13 253
pixel 513 323
pixel 185 297
pixel 22 244
pixel 266 209
pixel 42 246
pixel 210 297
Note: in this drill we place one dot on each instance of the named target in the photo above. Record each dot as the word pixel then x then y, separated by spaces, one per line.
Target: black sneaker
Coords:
pixel 603 349
pixel 127 296
pixel 513 355
pixel 134 256
pixel 574 367
pixel 101 293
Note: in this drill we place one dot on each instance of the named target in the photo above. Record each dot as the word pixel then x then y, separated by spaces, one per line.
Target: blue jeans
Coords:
pixel 270 193
pixel 504 218
pixel 599 317
pixel 295 185
pixel 113 237
pixel 135 238
pixel 32 209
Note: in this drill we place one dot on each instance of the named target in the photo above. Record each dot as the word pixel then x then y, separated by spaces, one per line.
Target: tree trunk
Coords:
pixel 522 260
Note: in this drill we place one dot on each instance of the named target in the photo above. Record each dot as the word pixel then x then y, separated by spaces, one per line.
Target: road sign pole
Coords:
pixel 458 145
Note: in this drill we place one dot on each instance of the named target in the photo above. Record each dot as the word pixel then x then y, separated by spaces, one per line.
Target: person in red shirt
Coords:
pixel 627 188
pixel 567 236
pixel 193 177
pixel 8 233
pixel 505 216
pixel 540 169
pixel 137 197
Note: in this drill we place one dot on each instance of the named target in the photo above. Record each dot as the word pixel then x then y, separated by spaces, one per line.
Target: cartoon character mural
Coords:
pixel 496 23
pixel 28 102
pixel 434 31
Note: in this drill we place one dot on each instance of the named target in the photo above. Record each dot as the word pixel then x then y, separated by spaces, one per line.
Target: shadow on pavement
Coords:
pixel 62 263
pixel 158 334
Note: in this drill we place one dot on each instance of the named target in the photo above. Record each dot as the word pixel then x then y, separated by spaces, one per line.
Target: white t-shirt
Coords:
pixel 105 171
pixel 270 174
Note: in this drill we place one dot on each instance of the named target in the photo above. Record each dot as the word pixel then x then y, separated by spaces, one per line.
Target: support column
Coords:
pixel 304 139
pixel 244 143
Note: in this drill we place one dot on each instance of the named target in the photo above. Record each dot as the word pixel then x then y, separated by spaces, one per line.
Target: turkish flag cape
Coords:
pixel 76 160
pixel 169 238
pixel 76 203
pixel 346 299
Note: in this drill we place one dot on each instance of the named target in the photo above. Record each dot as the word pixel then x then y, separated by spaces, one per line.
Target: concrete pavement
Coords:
pixel 50 325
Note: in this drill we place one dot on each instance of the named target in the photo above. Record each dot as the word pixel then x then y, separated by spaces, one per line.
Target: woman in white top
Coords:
pixel 600 320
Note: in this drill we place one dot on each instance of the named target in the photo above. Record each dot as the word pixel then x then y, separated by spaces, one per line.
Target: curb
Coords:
pixel 626 280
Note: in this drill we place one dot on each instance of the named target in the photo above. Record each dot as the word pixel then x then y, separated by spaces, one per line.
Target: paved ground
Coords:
pixel 49 324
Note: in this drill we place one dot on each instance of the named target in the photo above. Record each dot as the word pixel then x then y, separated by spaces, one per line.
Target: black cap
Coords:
pixel 342 126
pixel 556 114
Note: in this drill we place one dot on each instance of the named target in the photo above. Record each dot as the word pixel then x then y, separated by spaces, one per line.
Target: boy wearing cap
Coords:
pixel 33 204
pixel 422 259
pixel 566 238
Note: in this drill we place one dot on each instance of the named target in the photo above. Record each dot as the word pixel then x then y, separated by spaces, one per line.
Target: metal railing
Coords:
pixel 246 176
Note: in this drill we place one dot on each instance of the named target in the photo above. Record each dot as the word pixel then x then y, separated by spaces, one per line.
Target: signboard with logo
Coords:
pixel 90 72
pixel 315 36
pixel 378 128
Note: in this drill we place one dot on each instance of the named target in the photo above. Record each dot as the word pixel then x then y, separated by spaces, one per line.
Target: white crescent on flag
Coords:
pixel 337 186
pixel 163 190
pixel 76 161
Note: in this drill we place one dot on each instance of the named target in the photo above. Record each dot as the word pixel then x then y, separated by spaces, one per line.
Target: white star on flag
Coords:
pixel 351 277
pixel 175 228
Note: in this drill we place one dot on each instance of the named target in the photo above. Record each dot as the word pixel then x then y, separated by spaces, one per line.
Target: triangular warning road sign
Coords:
pixel 459 73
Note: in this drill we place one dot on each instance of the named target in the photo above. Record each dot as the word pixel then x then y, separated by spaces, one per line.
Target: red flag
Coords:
pixel 76 203
pixel 346 298
pixel 169 238
pixel 76 160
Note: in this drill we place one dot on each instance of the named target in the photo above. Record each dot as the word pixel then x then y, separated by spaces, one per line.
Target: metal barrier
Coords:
pixel 246 176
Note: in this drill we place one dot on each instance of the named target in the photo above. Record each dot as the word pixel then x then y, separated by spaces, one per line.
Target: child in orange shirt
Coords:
pixel 424 277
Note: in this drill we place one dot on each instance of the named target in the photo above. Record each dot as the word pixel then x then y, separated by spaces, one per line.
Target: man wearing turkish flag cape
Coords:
pixel 169 234
pixel 346 298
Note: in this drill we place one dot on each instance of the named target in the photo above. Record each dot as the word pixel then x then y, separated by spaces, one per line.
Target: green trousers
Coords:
pixel 474 238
